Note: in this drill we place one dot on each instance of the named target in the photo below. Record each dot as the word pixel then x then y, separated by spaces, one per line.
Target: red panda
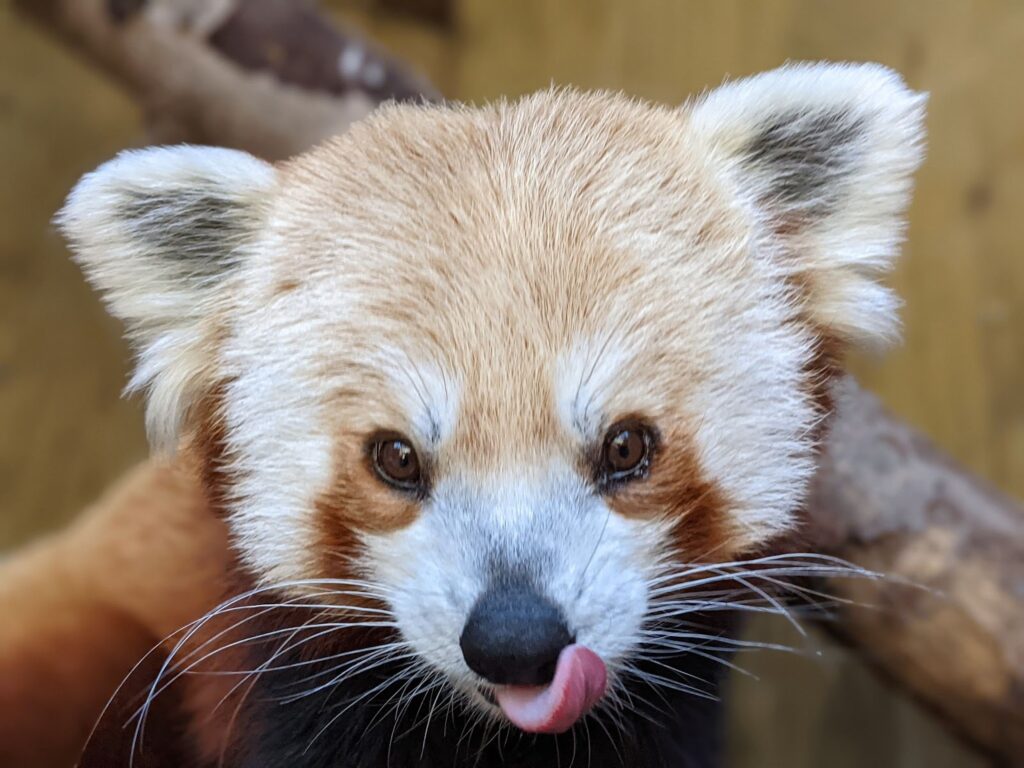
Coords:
pixel 482 392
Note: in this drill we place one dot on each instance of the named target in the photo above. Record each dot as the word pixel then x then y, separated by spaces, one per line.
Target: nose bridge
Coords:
pixel 507 528
pixel 508 415
pixel 524 519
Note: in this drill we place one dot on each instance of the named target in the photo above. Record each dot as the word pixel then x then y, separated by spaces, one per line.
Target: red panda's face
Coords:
pixel 514 366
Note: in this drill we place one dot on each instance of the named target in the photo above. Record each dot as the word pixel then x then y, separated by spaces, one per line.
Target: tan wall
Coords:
pixel 64 431
pixel 960 375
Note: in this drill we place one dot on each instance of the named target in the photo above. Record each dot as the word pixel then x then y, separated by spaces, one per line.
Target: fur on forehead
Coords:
pixel 496 240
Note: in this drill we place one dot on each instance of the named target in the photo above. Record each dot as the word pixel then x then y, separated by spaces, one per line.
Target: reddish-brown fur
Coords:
pixel 503 251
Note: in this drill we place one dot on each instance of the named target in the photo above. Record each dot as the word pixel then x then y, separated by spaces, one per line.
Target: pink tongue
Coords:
pixel 580 679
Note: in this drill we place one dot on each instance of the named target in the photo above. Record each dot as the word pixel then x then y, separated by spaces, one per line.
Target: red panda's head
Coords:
pixel 513 365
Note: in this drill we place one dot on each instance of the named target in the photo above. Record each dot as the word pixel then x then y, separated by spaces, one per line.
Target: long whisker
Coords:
pixel 391 680
pixel 375 660
pixel 251 680
pixel 249 640
pixel 759 585
pixel 324 586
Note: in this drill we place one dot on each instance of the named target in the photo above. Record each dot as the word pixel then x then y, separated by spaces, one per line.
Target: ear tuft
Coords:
pixel 824 154
pixel 158 232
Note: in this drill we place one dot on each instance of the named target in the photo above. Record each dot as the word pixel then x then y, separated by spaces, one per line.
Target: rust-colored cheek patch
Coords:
pixel 678 491
pixel 358 502
pixel 822 370
pixel 206 448
pixel 825 364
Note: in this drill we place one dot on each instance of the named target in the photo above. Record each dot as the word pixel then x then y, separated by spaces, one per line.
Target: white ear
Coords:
pixel 825 154
pixel 158 232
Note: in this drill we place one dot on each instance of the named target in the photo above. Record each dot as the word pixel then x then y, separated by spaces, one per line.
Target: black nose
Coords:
pixel 513 637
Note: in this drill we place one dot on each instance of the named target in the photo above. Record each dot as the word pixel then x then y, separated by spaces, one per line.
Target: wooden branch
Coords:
pixel 886 499
pixel 273 77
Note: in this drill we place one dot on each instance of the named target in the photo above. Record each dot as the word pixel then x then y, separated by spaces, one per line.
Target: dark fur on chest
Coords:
pixel 353 725
pixel 335 728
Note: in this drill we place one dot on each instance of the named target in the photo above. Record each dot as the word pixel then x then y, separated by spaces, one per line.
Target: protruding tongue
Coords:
pixel 580 680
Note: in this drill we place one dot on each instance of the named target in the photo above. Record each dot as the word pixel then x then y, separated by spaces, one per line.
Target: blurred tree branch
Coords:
pixel 268 76
pixel 948 626
pixel 274 76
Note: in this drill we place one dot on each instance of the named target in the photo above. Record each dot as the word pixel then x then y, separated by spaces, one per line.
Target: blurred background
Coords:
pixel 65 433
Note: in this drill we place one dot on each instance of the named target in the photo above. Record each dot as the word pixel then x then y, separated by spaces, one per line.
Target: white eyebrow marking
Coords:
pixel 584 376
pixel 426 392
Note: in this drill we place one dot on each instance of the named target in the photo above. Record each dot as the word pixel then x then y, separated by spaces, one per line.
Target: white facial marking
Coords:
pixel 585 378
pixel 283 456
pixel 428 396
pixel 556 533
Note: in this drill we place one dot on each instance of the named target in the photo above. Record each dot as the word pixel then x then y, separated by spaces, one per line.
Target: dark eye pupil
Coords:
pixel 397 463
pixel 626 451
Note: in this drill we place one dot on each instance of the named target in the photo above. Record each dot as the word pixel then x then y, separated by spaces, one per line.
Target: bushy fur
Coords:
pixel 501 285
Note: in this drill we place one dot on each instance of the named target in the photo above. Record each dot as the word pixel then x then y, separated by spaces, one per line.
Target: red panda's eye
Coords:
pixel 627 450
pixel 396 463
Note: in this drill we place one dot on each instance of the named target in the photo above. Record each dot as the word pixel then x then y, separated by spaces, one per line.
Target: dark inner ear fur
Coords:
pixel 198 230
pixel 806 159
